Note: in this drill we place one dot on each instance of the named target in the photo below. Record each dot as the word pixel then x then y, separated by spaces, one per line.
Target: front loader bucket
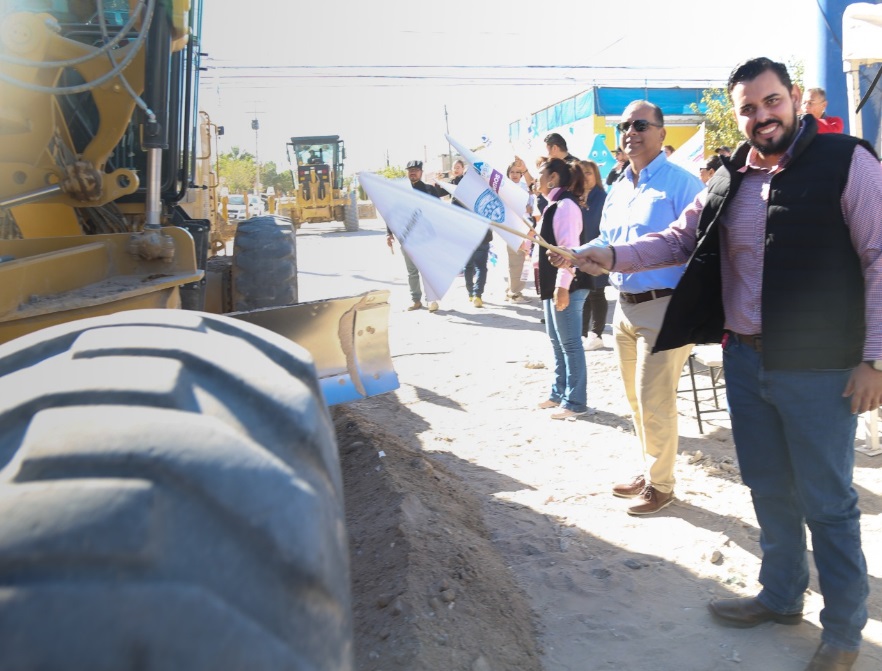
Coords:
pixel 347 337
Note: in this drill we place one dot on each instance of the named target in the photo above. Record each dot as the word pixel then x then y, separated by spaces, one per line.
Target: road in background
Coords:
pixel 356 262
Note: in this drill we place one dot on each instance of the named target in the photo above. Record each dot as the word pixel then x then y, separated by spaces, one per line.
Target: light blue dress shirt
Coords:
pixel 663 191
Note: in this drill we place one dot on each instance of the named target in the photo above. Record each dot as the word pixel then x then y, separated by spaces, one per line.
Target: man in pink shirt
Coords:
pixel 785 249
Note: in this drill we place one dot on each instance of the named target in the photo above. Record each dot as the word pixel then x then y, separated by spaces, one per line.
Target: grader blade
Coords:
pixel 347 337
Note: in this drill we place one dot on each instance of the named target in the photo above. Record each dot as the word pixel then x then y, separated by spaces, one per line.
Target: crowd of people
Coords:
pixel 779 259
pixel 776 254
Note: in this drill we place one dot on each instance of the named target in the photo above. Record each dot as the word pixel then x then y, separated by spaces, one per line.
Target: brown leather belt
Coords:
pixel 625 297
pixel 755 342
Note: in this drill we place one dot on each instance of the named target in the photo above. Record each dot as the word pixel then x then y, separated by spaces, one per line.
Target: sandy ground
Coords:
pixel 485 536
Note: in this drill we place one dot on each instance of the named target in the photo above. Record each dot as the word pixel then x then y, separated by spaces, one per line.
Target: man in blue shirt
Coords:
pixel 651 194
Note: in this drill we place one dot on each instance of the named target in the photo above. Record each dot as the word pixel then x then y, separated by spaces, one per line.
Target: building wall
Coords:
pixel 587 121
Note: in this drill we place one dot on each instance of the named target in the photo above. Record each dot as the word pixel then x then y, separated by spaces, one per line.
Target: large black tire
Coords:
pixel 264 273
pixel 350 216
pixel 170 498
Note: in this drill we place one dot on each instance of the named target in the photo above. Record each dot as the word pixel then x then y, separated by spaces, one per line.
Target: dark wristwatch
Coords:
pixel 875 365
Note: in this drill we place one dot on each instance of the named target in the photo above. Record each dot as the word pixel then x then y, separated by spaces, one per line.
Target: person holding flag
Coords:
pixel 475 270
pixel 415 175
pixel 563 291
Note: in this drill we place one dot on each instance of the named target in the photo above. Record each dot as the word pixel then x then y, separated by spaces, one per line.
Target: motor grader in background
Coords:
pixel 319 195
pixel 170 490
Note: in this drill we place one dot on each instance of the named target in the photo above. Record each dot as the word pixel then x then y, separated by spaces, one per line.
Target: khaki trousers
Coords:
pixel 515 270
pixel 651 382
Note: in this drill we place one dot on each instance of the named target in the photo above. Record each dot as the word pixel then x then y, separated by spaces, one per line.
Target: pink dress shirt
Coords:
pixel 742 245
pixel 567 225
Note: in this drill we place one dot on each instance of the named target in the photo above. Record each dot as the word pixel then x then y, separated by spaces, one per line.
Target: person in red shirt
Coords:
pixel 814 102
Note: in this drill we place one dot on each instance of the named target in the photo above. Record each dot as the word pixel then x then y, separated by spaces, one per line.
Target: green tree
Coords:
pixel 392 171
pixel 282 182
pixel 720 128
pixel 797 73
pixel 236 170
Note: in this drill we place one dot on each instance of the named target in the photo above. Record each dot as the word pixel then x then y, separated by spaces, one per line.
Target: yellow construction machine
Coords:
pixel 317 167
pixel 170 491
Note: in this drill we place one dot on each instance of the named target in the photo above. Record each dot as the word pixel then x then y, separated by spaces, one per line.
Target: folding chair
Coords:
pixel 707 360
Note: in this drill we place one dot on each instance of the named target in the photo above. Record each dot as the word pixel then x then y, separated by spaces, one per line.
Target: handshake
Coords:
pixel 593 261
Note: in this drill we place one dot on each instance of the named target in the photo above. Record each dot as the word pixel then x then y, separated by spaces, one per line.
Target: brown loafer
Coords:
pixel 748 612
pixel 628 490
pixel 828 658
pixel 653 501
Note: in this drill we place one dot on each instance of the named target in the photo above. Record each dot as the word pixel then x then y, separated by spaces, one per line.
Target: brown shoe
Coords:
pixel 653 501
pixel 748 612
pixel 416 306
pixel 828 658
pixel 628 490
pixel 566 413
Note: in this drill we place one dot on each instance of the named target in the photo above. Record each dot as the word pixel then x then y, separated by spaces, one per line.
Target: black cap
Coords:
pixel 415 164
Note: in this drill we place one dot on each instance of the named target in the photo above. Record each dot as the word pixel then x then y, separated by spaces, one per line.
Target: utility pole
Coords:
pixel 256 126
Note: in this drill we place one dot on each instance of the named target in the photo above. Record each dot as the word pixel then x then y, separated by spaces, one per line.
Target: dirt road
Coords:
pixel 483 535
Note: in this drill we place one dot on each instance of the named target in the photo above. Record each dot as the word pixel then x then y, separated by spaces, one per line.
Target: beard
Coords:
pixel 779 146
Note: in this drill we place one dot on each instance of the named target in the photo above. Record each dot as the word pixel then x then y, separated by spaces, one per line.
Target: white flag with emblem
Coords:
pixel 513 196
pixel 477 196
pixel 437 236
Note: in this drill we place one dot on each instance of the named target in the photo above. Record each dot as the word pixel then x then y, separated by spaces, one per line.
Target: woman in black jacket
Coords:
pixel 594 312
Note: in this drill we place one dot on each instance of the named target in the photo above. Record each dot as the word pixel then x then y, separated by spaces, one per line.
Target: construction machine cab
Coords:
pixel 318 178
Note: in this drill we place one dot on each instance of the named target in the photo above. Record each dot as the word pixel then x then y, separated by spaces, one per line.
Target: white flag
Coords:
pixel 514 196
pixel 690 154
pixel 473 192
pixel 438 237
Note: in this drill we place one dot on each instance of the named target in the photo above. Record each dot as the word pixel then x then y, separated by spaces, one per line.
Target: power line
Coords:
pixel 458 67
pixel 331 76
pixel 642 82
pixel 453 80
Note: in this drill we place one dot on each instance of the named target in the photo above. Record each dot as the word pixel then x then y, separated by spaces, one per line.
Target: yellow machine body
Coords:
pixel 317 167
pixel 102 207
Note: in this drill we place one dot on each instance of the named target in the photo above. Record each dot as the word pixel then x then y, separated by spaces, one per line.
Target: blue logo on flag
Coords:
pixel 489 206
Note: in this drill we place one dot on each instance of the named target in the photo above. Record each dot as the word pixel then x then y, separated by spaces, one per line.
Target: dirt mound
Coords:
pixel 429 589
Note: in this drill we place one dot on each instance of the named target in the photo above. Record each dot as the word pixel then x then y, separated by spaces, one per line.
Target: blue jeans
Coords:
pixel 794 436
pixel 475 270
pixel 594 312
pixel 564 328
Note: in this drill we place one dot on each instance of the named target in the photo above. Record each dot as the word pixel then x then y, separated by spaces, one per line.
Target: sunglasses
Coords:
pixel 641 125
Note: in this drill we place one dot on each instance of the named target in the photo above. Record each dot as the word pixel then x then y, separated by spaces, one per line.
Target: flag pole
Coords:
pixel 531 235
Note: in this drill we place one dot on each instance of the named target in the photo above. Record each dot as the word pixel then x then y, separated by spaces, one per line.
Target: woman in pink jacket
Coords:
pixel 563 291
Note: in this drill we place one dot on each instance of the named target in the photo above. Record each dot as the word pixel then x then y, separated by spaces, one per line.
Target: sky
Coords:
pixel 381 74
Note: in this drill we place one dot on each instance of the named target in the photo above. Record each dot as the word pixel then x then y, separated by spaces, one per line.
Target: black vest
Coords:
pixel 813 288
pixel 547 272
